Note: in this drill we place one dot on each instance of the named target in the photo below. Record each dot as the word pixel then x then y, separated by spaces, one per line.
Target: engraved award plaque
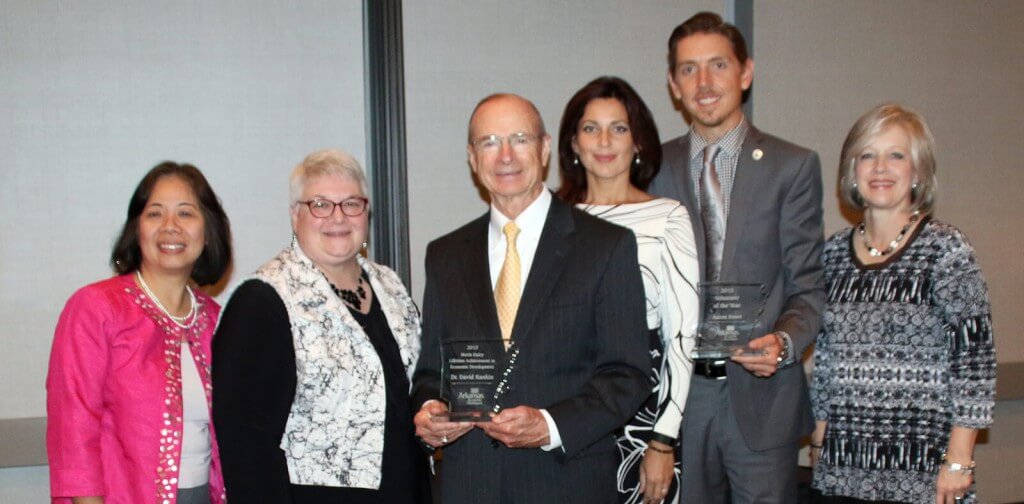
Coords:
pixel 731 312
pixel 469 377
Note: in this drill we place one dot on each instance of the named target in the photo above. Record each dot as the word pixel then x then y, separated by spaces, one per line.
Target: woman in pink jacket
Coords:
pixel 128 390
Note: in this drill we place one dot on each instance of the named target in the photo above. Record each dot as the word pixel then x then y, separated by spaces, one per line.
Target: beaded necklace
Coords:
pixel 873 252
pixel 353 299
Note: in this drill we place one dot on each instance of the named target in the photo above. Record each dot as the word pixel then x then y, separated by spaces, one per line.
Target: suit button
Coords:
pixel 495 444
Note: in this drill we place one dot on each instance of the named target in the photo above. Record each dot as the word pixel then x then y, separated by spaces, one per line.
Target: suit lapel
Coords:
pixel 476 277
pixel 548 265
pixel 743 189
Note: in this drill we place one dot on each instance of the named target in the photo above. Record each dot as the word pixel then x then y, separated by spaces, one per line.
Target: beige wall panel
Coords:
pixel 457 53
pixel 819 65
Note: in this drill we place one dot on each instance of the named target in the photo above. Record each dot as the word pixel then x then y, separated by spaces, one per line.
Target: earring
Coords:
pixel 636 159
pixel 576 161
pixel 854 185
pixel 913 186
pixel 364 245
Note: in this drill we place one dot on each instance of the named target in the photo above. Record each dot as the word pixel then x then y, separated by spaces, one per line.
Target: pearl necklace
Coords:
pixel 873 252
pixel 178 321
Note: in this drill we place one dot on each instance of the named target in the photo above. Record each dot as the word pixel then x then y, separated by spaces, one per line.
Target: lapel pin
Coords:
pixel 757 154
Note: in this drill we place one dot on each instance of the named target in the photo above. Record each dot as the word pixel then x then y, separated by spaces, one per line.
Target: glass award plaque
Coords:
pixel 731 312
pixel 469 377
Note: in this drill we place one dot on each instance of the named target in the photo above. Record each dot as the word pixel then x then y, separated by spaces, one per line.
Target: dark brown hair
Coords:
pixel 216 256
pixel 708 23
pixel 641 127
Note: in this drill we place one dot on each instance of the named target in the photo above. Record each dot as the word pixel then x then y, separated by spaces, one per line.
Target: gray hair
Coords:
pixel 875 122
pixel 325 162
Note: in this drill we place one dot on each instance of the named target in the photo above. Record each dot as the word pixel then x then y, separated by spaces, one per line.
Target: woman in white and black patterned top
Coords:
pixel 904 371
pixel 609 152
pixel 312 359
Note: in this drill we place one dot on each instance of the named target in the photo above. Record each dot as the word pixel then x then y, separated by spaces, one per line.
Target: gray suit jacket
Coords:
pixel 582 335
pixel 774 236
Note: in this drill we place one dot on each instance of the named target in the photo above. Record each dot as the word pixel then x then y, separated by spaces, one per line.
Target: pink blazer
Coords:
pixel 113 396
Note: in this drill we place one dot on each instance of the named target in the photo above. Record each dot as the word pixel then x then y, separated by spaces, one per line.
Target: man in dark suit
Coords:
pixel 756 202
pixel 576 329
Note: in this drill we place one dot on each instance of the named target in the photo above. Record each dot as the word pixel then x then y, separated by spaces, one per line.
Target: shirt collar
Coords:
pixel 730 142
pixel 530 221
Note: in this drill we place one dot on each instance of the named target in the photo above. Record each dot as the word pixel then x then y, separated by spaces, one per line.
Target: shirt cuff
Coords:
pixel 554 438
pixel 787 342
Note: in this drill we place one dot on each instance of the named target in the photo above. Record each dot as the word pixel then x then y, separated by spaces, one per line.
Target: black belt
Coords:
pixel 710 368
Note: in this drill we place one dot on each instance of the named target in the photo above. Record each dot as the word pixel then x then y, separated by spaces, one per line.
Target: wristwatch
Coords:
pixel 784 353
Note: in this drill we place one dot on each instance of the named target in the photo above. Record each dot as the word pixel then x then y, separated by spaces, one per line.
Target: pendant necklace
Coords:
pixel 873 252
pixel 178 321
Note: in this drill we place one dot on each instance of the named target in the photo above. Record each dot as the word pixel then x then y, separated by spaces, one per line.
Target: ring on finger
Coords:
pixel 444 439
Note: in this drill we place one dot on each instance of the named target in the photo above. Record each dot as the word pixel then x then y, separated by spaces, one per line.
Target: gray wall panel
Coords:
pixel 455 55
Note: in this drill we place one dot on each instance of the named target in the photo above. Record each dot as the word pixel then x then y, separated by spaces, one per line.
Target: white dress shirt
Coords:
pixel 530 223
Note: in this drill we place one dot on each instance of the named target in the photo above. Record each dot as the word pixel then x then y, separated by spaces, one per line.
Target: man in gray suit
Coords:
pixel 756 206
pixel 576 366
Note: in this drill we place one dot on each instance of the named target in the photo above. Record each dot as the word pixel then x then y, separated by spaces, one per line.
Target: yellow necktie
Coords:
pixel 506 291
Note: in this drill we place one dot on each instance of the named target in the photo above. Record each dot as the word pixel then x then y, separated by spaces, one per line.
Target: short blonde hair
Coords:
pixel 325 162
pixel 869 126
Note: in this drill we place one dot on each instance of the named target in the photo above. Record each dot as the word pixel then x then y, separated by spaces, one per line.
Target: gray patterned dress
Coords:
pixel 905 354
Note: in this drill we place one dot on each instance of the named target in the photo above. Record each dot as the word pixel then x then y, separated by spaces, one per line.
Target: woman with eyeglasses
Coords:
pixel 128 389
pixel 312 360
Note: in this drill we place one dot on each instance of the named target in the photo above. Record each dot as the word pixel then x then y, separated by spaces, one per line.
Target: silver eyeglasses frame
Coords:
pixel 493 143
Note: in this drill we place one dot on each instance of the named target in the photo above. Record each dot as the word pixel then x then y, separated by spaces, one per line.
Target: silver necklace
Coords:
pixel 873 252
pixel 178 321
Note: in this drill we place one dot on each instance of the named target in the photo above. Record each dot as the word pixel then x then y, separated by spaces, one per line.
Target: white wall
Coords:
pixel 455 55
pixel 93 94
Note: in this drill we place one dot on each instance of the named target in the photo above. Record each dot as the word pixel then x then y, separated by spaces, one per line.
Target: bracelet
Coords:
pixel 663 439
pixel 956 467
pixel 660 450
pixel 817 446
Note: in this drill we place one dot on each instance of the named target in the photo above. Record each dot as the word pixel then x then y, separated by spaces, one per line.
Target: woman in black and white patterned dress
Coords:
pixel 609 151
pixel 312 359
pixel 904 372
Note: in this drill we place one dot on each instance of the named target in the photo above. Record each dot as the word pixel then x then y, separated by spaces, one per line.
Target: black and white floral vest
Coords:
pixel 335 431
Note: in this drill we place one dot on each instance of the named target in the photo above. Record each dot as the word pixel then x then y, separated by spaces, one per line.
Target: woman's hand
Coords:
pixel 817 438
pixel 950 486
pixel 656 471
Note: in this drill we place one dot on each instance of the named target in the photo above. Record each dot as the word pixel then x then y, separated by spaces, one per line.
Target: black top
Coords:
pixel 254 363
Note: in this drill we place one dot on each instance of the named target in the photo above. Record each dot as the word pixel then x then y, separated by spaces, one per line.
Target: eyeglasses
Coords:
pixel 323 208
pixel 519 141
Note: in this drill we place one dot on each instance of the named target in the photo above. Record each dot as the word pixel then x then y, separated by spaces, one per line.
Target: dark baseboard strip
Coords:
pixel 23 442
